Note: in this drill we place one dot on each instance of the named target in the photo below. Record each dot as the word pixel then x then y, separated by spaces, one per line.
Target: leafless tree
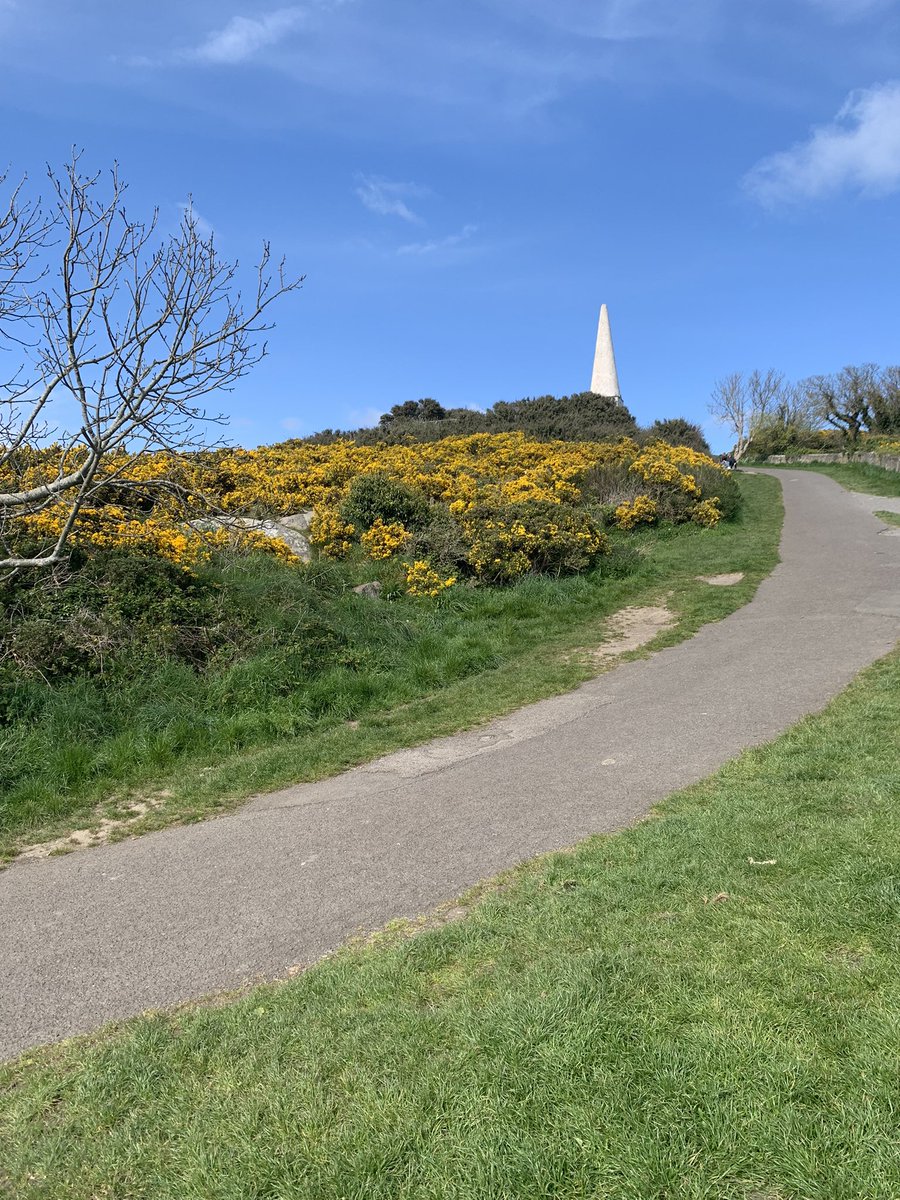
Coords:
pixel 742 403
pixel 765 392
pixel 116 336
pixel 845 400
pixel 729 406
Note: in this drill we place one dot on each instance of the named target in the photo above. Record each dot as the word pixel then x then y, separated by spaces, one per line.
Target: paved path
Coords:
pixel 108 932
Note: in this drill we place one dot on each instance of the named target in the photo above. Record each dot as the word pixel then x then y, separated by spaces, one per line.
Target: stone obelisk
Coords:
pixel 605 380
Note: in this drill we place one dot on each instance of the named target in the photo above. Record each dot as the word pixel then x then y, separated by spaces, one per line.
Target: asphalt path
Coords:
pixel 108 932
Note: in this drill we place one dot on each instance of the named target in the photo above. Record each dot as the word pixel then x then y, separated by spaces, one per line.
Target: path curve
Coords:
pixel 109 932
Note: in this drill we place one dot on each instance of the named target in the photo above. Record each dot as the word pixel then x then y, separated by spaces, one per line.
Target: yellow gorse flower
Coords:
pixel 423 580
pixel 384 541
pixel 469 475
pixel 639 511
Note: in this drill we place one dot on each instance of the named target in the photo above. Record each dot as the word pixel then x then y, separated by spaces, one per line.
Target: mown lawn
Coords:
pixel 704 1006
pixel 84 749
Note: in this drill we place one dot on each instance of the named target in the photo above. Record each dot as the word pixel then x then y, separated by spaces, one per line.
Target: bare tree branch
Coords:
pixel 742 404
pixel 121 335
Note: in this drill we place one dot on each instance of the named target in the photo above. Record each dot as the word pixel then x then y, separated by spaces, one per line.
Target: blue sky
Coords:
pixel 463 182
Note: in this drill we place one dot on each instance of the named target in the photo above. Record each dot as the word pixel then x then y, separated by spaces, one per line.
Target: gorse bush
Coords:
pixel 441 502
pixel 677 431
pixel 442 541
pixel 714 482
pixel 663 483
pixel 508 541
pixel 486 508
pixel 639 511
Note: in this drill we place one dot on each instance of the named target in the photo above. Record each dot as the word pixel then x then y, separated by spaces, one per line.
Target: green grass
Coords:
pixel 855 477
pixel 704 1007
pixel 889 518
pixel 418 670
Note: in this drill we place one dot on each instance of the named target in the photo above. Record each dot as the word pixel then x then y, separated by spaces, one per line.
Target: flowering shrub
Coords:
pixel 707 512
pixel 494 506
pixel 639 511
pixel 879 444
pixel 331 533
pixel 423 580
pixel 384 541
pixel 113 527
pixel 512 540
pixel 665 465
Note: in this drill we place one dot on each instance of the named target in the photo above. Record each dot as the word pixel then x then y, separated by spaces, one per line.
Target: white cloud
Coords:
pixel 436 244
pixel 859 149
pixel 362 418
pixel 242 37
pixel 386 198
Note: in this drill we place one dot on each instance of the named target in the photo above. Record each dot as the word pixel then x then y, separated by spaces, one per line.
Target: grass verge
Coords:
pixel 855 477
pixel 889 518
pixel 197 745
pixel 703 1007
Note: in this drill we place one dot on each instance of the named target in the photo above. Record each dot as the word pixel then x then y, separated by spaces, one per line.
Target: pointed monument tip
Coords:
pixel 605 379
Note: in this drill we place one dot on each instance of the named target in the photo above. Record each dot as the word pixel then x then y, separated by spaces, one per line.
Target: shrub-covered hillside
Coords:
pixel 582 416
pixel 491 508
pixel 166 639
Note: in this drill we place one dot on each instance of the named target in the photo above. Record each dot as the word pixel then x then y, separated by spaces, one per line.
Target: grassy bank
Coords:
pixel 704 1007
pixel 855 477
pixel 395 673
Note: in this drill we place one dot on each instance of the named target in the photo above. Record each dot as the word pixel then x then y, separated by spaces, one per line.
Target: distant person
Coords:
pixel 730 461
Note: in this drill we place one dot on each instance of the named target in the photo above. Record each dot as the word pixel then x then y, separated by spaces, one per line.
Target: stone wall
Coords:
pixel 890 462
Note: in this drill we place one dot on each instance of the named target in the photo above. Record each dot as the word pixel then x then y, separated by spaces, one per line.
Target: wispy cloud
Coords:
pixel 860 149
pixel 243 37
pixel 294 424
pixel 387 198
pixel 357 418
pixel 434 245
pixel 188 211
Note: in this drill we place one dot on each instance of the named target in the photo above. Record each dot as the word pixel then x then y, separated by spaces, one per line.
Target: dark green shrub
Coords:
pixel 583 416
pixel 379 495
pixel 117 614
pixel 105 613
pixel 442 541
pixel 677 431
